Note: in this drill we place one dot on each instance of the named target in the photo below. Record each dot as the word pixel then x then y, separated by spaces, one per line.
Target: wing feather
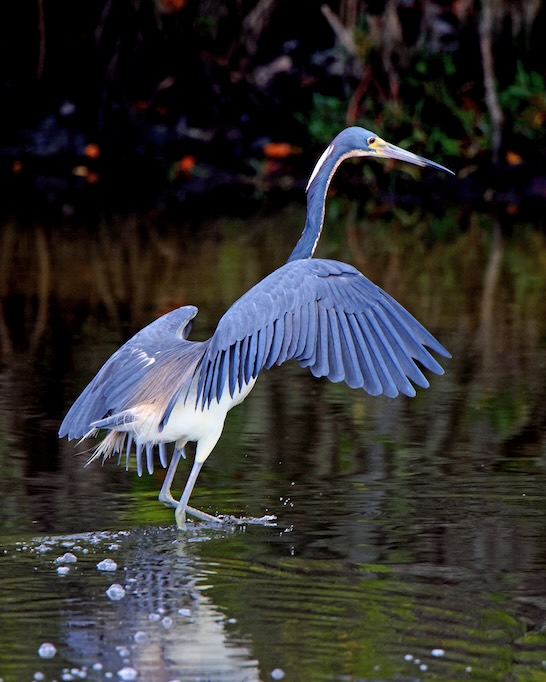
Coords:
pixel 353 373
pixel 377 358
pixel 307 357
pixel 335 350
pixel 410 369
pixel 321 366
pixel 287 338
pixel 395 357
pixel 331 319
pixel 128 367
pixel 234 359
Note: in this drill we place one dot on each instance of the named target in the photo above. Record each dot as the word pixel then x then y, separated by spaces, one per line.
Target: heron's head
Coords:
pixel 357 141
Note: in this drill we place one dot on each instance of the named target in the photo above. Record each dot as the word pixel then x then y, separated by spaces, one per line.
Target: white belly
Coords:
pixel 186 422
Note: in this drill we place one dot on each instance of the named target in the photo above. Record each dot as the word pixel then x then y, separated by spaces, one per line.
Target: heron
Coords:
pixel 160 387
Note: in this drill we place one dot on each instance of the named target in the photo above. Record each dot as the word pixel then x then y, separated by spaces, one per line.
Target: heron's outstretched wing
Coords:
pixel 330 318
pixel 125 369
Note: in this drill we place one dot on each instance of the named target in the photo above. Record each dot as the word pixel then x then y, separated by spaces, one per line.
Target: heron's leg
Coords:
pixel 165 495
pixel 183 507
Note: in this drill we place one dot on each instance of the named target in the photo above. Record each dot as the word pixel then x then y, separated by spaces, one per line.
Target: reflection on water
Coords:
pixel 410 541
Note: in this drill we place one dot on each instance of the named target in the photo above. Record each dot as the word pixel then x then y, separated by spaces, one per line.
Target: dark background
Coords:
pixel 136 102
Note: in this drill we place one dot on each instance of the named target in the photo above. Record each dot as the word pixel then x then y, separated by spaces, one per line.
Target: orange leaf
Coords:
pixel 513 159
pixel 280 150
pixel 186 164
pixel 91 150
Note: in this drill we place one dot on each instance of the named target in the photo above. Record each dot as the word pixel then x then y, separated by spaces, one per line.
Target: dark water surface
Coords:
pixel 410 541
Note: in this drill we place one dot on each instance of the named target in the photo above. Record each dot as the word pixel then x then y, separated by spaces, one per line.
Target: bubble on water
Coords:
pixel 127 674
pixel 154 617
pixel 184 612
pixel 115 592
pixel 437 652
pixel 63 570
pixel 141 637
pixel 47 650
pixel 167 621
pixel 277 674
pixel 66 558
pixel 107 565
pixel 97 666
pixel 43 548
pixel 113 546
pixel 408 657
pixel 423 667
pixel 38 676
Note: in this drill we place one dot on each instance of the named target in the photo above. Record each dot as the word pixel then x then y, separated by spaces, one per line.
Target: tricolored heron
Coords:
pixel 159 387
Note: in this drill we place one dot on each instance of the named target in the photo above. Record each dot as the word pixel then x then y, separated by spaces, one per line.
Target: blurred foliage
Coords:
pixel 525 102
pixel 189 94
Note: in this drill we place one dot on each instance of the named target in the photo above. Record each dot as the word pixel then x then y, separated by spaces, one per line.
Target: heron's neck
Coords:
pixel 316 200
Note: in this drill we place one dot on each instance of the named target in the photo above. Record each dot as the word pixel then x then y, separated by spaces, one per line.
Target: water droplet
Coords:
pixel 141 637
pixel 47 650
pixel 115 592
pixel 127 674
pixel 107 565
pixel 67 558
pixel 43 548
pixel 277 674
pixel 437 652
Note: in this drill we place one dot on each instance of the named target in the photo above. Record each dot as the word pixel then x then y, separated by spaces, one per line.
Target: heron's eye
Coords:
pixel 371 141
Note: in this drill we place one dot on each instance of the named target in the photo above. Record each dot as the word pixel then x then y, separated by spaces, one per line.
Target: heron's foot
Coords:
pixel 223 520
pixel 203 516
pixel 180 516
pixel 266 520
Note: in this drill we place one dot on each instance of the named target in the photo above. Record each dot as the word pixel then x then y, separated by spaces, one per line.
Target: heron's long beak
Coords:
pixel 385 150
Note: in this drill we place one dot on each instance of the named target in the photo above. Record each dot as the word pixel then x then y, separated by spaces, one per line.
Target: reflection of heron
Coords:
pixel 160 388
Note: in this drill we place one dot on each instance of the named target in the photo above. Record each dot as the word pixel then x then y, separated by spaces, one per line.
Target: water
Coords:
pixel 410 539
